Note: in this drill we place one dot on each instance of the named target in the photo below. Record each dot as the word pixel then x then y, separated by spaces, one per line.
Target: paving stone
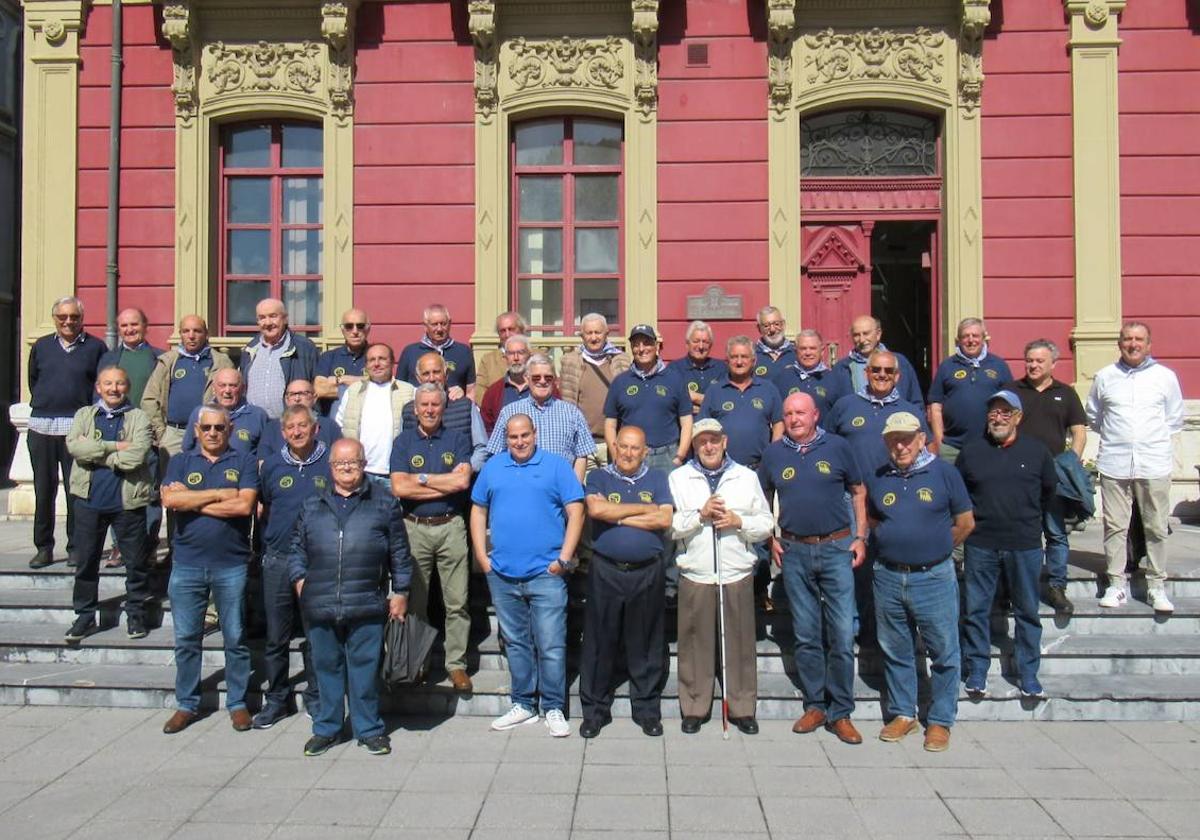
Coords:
pixel 883 816
pixel 322 832
pixel 649 751
pixel 157 804
pixel 13 792
pixel 1062 784
pixel 517 777
pixel 363 775
pixel 393 833
pixel 187 769
pixel 973 783
pixel 242 831
pixel 527 811
pixel 870 782
pixel 812 817
pixel 797 752
pixel 544 749
pixel 248 805
pixel 684 779
pixel 803 782
pixel 520 834
pixel 1095 818
pixel 341 808
pixel 269 773
pixel 434 810
pixel 995 816
pixel 717 813
pixel 1178 819
pixel 623 779
pixel 620 813
pixel 99 829
pixel 706 751
pixel 445 778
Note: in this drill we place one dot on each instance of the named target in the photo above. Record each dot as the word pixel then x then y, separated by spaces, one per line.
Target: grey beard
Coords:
pixel 516 370
pixel 774 341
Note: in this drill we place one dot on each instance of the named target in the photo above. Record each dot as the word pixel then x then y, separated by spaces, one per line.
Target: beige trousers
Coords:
pixel 1153 498
pixel 444 548
pixel 699 642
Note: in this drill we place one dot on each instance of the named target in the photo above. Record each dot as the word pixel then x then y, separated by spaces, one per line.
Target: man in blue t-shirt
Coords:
pixel 748 406
pixel 810 374
pixel 654 398
pixel 340 367
pixel 460 360
pixel 960 390
pixel 533 504
pixel 630 509
pixel 698 368
pixel 213 491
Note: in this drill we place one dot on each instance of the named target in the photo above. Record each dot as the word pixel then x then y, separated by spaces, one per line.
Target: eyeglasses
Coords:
pixel 300 394
pixel 1001 412
pixel 68 317
pixel 352 326
pixel 878 369
pixel 542 377
pixel 347 465
pixel 212 427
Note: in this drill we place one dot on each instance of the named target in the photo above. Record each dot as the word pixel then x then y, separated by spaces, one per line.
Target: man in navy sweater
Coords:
pixel 62 380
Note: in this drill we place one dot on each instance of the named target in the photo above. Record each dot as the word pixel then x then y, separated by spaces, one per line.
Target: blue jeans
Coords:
pixel 820 589
pixel 927 602
pixel 1057 546
pixel 1021 569
pixel 533 618
pixel 188 590
pixel 345 656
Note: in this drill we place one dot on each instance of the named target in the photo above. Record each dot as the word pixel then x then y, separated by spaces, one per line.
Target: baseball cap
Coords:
pixel 644 330
pixel 708 424
pixel 1007 396
pixel 902 422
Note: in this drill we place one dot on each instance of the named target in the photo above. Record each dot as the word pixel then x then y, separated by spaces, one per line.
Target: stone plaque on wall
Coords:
pixel 714 305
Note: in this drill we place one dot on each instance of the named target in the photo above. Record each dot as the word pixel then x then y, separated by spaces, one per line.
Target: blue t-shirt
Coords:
pixel 622 542
pixel 272 437
pixel 249 423
pixel 963 391
pixel 768 368
pixel 811 485
pixel 823 387
pixel 338 362
pixel 104 494
pixel 746 416
pixel 914 512
pixel 696 378
pixel 526 505
pixel 188 382
pixel 212 541
pixel 460 364
pixel 861 423
pixel 285 486
pixel 438 453
pixel 654 404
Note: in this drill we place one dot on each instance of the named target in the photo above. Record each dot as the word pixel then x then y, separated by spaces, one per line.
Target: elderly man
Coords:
pixel 289 475
pixel 773 350
pixel 851 373
pixel 748 406
pixel 133 354
pixel 458 358
pixel 809 472
pixel 461 414
pixel 587 374
pixel 961 388
pixel 1010 478
pixel 1137 408
pixel 698 368
pixel 340 367
pixel 714 495
pixel 349 542
pixel 1053 414
pixel 860 417
pixel 495 364
pixel 919 511
pixel 561 427
pixel 654 398
pixel 275 357
pixel 512 386
pixel 372 411
pixel 300 392
pixel 111 482
pixel 630 509
pixel 810 374
pixel 62 380
pixel 249 421
pixel 533 503
pixel 431 474
pixel 213 490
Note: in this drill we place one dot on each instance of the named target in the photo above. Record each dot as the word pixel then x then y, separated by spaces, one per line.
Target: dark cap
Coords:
pixel 643 330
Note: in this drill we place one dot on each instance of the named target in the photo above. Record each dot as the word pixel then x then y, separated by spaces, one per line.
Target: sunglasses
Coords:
pixel 544 377
pixel 212 427
pixel 351 327
pixel 68 317
pixel 878 369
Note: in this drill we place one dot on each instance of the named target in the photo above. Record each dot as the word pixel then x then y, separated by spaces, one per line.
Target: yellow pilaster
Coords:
pixel 783 165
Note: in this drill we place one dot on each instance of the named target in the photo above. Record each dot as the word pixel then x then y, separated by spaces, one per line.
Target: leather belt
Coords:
pixel 177 425
pixel 905 568
pixel 814 540
pixel 431 520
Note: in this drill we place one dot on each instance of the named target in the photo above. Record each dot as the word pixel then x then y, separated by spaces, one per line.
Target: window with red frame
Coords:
pixel 567 220
pixel 272 240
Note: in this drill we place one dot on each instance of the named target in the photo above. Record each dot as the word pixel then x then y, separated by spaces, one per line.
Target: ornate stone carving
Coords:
pixel 265 67
pixel 337 28
pixel 975 17
pixel 177 29
pixel 54 30
pixel 1096 13
pixel 781 25
pixel 875 54
pixel 566 62
pixel 482 24
pixel 645 56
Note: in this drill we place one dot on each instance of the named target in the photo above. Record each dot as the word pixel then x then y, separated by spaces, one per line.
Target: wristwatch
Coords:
pixel 422 479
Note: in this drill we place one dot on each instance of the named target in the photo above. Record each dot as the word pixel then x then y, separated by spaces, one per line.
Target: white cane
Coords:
pixel 721 628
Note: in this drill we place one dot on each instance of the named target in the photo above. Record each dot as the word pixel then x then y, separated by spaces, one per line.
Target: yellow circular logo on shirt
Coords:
pixel 960 374
pixel 180 373
pixel 820 391
pixel 195 478
pixel 339 371
pixel 788 473
pixel 631 390
pixel 757 403
pixel 991 374
pixel 243 435
pixel 286 482
pixel 823 467
pixel 858 422
pixel 97 434
pixel 660 390
pixel 761 370
pixel 796 390
pixel 693 387
pixel 319 482
pixel 727 406
pixel 925 494
pixel 615 498
pixel 232 475
pixel 448 459
pixel 646 496
pixel 417 461
pixel 451 366
pixel 889 499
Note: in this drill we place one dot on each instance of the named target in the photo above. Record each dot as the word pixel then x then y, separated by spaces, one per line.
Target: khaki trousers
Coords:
pixel 444 548
pixel 1153 498
pixel 699 647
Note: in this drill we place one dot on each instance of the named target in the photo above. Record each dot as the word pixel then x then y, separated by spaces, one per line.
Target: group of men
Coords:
pixel 355 476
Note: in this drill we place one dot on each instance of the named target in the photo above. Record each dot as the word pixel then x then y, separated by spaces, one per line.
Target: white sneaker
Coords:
pixel 557 724
pixel 516 716
pixel 1160 601
pixel 1114 596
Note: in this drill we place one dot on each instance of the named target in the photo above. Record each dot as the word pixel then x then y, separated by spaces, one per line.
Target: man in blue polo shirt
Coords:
pixel 630 509
pixel 533 504
pixel 289 475
pixel 860 417
pixel 213 490
pixel 698 368
pixel 302 393
pixel 809 472
pixel 340 367
pixel 961 387
pixel 773 350
pixel 810 374
pixel 249 421
pixel 748 406
pixel 460 361
pixel 654 398
pixel 851 374
pixel 919 511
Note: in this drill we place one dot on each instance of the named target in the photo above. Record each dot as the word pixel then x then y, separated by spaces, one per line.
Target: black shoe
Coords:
pixel 72 561
pixel 651 727
pixel 376 745
pixel 84 626
pixel 318 744
pixel 1058 599
pixel 268 716
pixel 590 728
pixel 42 559
pixel 745 725
pixel 690 725
pixel 135 628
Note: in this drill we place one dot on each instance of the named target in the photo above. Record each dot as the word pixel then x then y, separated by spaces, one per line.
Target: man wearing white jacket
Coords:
pixel 713 492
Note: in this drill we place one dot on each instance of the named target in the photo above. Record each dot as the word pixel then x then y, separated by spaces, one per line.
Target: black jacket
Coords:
pixel 345 567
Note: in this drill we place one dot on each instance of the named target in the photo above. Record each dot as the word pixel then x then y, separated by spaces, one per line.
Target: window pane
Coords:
pixel 240 300
pixel 302 251
pixel 597 142
pixel 302 145
pixel 540 251
pixel 248 145
pixel 249 200
pixel 540 143
pixel 597 295
pixel 303 301
pixel 249 252
pixel 302 203
pixel 596 198
pixel 541 199
pixel 541 301
pixel 596 250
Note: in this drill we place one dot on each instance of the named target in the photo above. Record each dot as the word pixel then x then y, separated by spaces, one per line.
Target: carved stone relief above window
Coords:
pixel 482 23
pixel 875 54
pixel 565 62
pixel 645 55
pixel 975 17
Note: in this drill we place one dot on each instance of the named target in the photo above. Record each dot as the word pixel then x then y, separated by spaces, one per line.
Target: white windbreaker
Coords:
pixel 743 495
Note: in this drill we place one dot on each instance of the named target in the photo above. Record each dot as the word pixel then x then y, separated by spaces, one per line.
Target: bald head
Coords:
pixel 356 328
pixel 800 416
pixel 193 333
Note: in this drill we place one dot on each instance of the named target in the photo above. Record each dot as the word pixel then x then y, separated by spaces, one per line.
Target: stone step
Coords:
pixel 53 606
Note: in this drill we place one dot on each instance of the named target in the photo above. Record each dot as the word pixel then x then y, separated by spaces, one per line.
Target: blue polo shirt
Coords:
pixel 769 368
pixel 460 364
pixel 188 381
pixel 914 512
pixel 621 542
pixel 963 391
pixel 272 437
pixel 285 486
pixel 104 493
pixel 415 452
pixel 338 362
pixel 746 416
pixel 699 377
pixel 526 505
pixel 211 541
pixel 654 404
pixel 811 484
pixel 860 421
pixel 249 423
pixel 823 387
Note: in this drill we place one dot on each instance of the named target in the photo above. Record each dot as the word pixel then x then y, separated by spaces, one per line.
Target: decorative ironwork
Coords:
pixel 868 144
pixel 566 62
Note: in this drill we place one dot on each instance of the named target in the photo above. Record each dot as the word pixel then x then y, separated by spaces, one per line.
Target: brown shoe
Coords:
pixel 178 722
pixel 460 681
pixel 241 720
pixel 937 738
pixel 845 731
pixel 897 729
pixel 810 721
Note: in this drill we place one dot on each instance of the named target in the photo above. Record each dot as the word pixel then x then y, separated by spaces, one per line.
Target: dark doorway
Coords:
pixel 902 266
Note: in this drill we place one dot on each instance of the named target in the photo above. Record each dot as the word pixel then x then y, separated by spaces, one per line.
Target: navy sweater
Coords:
pixel 1009 487
pixel 61 383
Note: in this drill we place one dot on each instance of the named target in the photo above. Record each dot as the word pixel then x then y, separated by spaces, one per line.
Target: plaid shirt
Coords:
pixel 561 428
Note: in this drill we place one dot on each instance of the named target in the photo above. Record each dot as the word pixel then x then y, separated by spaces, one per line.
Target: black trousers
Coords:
pixel 129 529
pixel 280 607
pixel 49 457
pixel 622 607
